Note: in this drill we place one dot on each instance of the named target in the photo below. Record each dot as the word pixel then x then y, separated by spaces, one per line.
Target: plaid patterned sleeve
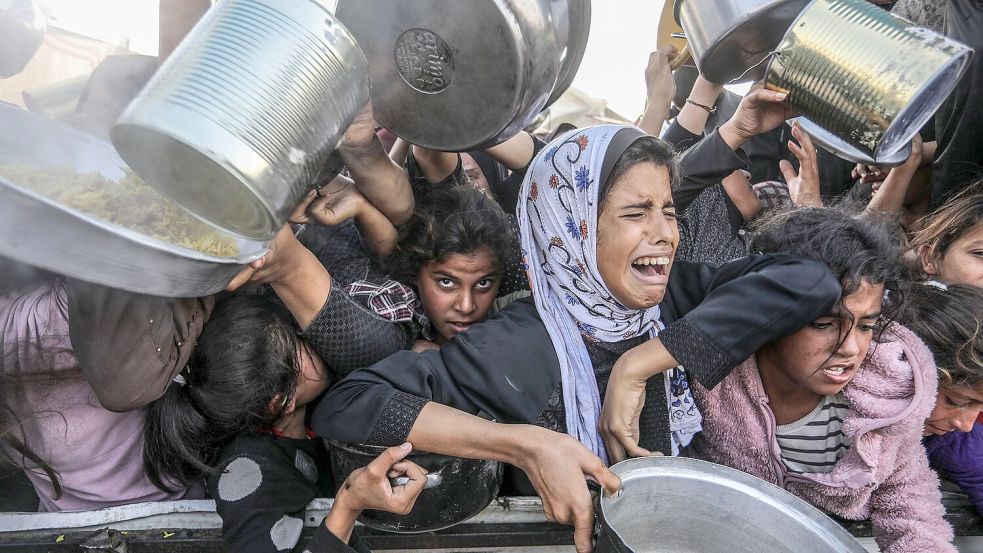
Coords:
pixel 357 330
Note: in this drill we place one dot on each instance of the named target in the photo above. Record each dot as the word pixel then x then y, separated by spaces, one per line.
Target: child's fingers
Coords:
pixel 788 171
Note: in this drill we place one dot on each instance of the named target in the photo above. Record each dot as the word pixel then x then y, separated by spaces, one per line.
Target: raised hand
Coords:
pixel 803 186
pixel 760 111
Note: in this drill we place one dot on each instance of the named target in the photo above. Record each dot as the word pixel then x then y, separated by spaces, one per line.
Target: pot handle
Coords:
pixel 433 480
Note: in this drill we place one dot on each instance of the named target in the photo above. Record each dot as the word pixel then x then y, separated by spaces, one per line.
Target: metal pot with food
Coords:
pixel 458 76
pixel 69 204
pixel 685 505
pixel 456 489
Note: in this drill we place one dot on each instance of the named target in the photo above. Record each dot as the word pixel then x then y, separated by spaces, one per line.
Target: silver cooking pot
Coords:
pixel 677 505
pixel 22 30
pixel 39 231
pixel 244 116
pixel 456 489
pixel 458 76
pixel 731 39
pixel 868 79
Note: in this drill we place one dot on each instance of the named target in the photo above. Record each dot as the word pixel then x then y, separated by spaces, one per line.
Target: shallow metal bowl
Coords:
pixel 41 232
pixel 677 505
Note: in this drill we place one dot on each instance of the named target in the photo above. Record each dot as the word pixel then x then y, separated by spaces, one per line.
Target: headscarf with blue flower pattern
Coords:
pixel 558 231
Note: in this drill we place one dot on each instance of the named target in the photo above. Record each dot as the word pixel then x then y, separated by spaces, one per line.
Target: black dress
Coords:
pixel 263 483
pixel 711 227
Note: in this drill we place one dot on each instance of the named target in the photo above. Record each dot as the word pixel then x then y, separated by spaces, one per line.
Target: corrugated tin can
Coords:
pixel 246 113
pixel 869 78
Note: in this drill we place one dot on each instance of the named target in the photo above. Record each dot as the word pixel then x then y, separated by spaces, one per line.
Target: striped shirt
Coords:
pixel 814 443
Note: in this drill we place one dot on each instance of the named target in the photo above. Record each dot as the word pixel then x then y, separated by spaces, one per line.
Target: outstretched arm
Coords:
pixel 297 277
pixel 889 195
pixel 660 88
pixel 515 153
pixel 340 200
pixel 379 178
pixel 434 164
pixel 557 464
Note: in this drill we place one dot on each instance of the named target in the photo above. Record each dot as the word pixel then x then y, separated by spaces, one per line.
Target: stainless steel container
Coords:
pixel 22 31
pixel 844 150
pixel 243 116
pixel 731 39
pixel 457 489
pixel 677 505
pixel 872 80
pixel 457 76
pixel 39 231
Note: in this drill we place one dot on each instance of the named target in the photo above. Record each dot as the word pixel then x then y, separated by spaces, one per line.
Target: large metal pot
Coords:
pixel 869 79
pixel 456 490
pixel 677 505
pixel 731 39
pixel 458 76
pixel 243 117
pixel 37 230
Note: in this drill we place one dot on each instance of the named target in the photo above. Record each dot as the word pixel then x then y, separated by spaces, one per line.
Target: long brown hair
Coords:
pixel 949 319
pixel 939 230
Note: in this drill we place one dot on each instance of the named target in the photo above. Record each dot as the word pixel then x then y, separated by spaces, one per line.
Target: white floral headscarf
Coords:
pixel 557 216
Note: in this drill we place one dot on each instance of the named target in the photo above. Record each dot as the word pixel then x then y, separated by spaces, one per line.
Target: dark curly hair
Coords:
pixel 451 220
pixel 856 247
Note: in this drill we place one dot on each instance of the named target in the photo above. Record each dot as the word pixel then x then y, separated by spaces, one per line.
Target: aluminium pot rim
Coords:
pixel 731 477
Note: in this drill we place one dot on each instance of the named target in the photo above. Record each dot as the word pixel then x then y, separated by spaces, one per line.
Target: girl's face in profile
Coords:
pixel 955 409
pixel 961 263
pixel 825 355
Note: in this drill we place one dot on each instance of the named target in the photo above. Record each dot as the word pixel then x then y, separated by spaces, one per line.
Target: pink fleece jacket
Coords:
pixel 884 476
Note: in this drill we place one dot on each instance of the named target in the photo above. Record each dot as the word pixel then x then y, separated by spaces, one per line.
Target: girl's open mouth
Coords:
pixel 652 268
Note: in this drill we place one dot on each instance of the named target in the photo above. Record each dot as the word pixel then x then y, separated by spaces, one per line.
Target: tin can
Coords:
pixel 244 116
pixel 872 80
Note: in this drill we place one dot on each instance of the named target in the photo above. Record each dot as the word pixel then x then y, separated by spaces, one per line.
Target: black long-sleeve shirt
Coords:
pixel 715 318
pixel 957 123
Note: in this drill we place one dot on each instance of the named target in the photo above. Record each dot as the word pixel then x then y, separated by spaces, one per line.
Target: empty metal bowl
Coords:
pixel 678 505
pixel 731 39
